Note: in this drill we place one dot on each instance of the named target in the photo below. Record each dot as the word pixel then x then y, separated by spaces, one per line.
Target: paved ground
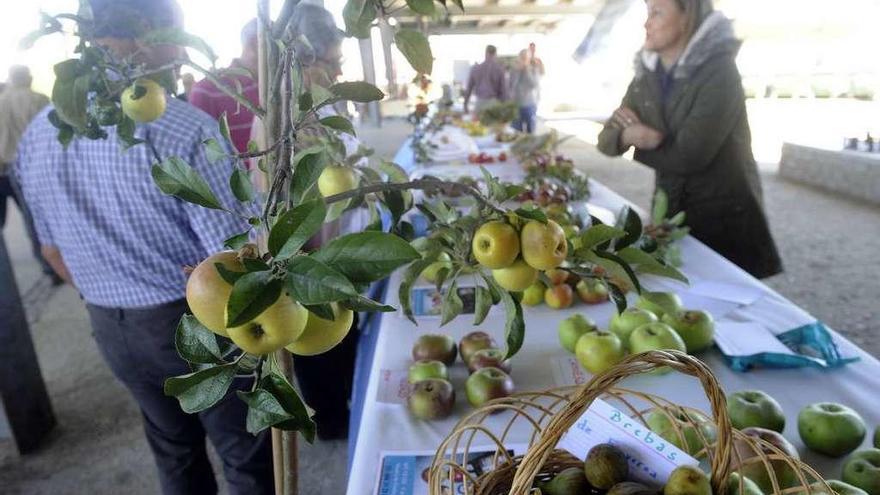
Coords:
pixel 829 246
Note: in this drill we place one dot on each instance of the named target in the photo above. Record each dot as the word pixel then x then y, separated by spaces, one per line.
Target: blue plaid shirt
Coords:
pixel 123 240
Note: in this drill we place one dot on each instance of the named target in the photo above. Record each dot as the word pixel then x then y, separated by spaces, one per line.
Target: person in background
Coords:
pixel 534 60
pixel 206 96
pixel 487 82
pixel 18 106
pixel 107 229
pixel 187 81
pixel 684 113
pixel 524 83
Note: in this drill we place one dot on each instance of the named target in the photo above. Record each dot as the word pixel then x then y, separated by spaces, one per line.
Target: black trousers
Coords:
pixel 9 190
pixel 138 345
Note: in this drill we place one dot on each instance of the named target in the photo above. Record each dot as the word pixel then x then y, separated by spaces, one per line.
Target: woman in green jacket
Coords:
pixel 684 112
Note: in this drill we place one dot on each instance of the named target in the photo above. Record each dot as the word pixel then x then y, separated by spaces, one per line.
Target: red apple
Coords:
pixel 436 347
pixel 592 291
pixel 487 384
pixel 489 358
pixel 473 342
pixel 559 296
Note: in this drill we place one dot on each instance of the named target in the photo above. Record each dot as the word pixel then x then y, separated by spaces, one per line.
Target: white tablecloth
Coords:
pixel 387 427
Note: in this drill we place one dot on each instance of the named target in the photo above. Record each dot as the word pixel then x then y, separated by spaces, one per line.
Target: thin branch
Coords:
pixel 421 184
pixel 284 18
pixel 257 154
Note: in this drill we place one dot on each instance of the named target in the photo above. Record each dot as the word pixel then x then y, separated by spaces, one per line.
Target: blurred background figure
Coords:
pixel 685 114
pixel 487 82
pixel 206 96
pixel 18 106
pixel 187 80
pixel 524 86
pixel 534 59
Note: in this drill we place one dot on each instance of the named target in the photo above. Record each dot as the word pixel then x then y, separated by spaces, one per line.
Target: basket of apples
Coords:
pixel 754 461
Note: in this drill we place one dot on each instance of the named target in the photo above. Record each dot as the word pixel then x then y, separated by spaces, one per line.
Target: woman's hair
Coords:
pixel 696 11
pixel 316 24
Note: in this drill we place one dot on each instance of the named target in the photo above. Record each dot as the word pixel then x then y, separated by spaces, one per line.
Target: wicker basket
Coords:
pixel 547 415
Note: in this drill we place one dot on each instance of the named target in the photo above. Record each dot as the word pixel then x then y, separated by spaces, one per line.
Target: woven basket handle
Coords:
pixel 632 365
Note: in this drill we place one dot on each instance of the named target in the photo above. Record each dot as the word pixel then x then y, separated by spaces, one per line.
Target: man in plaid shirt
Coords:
pixel 106 228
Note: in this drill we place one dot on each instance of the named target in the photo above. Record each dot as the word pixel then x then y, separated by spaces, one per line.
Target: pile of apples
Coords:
pixel 473 128
pixel 432 395
pixel 657 321
pixel 606 470
pixel 482 158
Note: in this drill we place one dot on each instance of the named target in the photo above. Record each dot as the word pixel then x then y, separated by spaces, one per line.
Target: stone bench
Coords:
pixel 850 173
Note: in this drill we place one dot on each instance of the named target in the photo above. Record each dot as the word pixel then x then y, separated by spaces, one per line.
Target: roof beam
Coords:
pixel 526 9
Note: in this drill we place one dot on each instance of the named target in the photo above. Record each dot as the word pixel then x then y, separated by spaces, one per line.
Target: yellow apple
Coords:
pixel 149 107
pixel 559 296
pixel 516 277
pixel 534 294
pixel 321 335
pixel 336 179
pixel 277 326
pixel 543 246
pixel 207 293
pixel 495 245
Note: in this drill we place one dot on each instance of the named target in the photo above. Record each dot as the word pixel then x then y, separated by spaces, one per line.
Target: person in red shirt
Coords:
pixel 207 97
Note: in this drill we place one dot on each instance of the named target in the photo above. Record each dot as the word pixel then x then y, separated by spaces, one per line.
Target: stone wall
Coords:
pixel 850 173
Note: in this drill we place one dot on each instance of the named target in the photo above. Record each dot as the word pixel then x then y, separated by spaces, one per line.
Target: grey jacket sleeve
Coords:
pixel 609 139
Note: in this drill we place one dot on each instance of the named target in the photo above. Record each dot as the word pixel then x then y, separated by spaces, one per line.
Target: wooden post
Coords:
pixel 366 46
pixel 387 35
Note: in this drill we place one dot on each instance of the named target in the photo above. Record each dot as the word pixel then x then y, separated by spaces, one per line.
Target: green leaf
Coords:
pixel 48 25
pixel 223 126
pixel 623 264
pixel 68 70
pixel 532 214
pixel 646 263
pixel 304 102
pixel 276 403
pixel 230 276
pixel 424 7
pixel 514 325
pixel 307 167
pixel 357 91
pixel 179 37
pixel 202 389
pixel 252 146
pixel 70 97
pixel 596 235
pixel 320 95
pixel 630 222
pixel 482 304
pixel 366 256
pixel 177 178
pixel 407 281
pixel 195 343
pixel 251 295
pixel 661 207
pixel 295 227
pixel 678 219
pixel 237 241
pixel 125 133
pixel 338 123
pixel 241 185
pixel 362 303
pixel 617 296
pixel 358 16
pixel 214 151
pixel 310 281
pixel 452 304
pixel 324 311
pixel 415 47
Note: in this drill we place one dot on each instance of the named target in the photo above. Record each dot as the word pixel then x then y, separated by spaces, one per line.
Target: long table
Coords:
pixel 386 345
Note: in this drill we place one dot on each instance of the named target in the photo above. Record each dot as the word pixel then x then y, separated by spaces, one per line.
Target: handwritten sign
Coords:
pixel 393 386
pixel 567 371
pixel 651 458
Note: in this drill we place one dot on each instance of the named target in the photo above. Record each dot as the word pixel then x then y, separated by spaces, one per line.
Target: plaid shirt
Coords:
pixel 123 240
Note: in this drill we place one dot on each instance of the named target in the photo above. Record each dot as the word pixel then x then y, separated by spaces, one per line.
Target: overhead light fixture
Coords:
pixel 392 21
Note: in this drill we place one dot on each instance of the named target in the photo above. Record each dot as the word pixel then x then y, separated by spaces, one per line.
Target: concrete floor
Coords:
pixel 829 246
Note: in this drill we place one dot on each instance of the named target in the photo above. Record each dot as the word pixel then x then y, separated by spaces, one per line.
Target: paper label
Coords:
pixel 568 371
pixel 651 458
pixel 428 301
pixel 393 386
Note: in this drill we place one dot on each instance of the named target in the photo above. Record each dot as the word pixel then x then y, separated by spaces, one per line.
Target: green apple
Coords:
pixel 427 369
pixel 559 296
pixel 321 335
pixel 543 245
pixel 691 431
pixel 696 328
pixel 598 351
pixel 487 384
pixel 570 481
pixel 752 464
pixel 534 294
pixel 431 399
pixel 433 270
pixel 622 324
pixel 862 470
pixel 147 107
pixel 592 291
pixel 755 408
pixel 748 486
pixel 207 292
pixel 659 303
pixel 489 358
pixel 571 329
pixel 437 347
pixel 277 326
pixel 655 336
pixel 517 277
pixel 495 244
pixel 837 488
pixel 605 466
pixel 687 480
pixel 831 429
pixel 336 179
pixel 473 342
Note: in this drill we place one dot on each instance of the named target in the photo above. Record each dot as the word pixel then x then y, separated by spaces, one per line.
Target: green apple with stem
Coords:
pixel 489 358
pixel 755 408
pixel 687 480
pixel 486 384
pixel 571 329
pixel 495 244
pixel 434 346
pixel 831 429
pixel 659 303
pixel 427 369
pixel 473 342
pixel 655 336
pixel 624 323
pixel 597 351
pixel 862 470
pixel 336 179
pixel 277 326
pixel 431 399
pixel 696 328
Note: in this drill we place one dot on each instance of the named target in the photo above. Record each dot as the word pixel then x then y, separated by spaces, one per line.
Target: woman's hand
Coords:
pixel 624 117
pixel 641 136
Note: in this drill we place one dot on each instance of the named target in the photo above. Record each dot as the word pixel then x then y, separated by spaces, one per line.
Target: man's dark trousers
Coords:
pixel 138 345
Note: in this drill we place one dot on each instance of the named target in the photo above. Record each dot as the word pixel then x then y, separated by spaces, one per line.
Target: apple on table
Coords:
pixel 427 369
pixel 755 408
pixel 624 323
pixel 592 291
pixel 862 470
pixel 559 296
pixel 486 384
pixel 473 342
pixel 598 351
pixel 831 429
pixel 437 347
pixel 431 399
pixel 696 328
pixel 571 329
pixel 660 303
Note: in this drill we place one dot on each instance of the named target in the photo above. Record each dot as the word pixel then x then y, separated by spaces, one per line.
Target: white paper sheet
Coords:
pixel 747 339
